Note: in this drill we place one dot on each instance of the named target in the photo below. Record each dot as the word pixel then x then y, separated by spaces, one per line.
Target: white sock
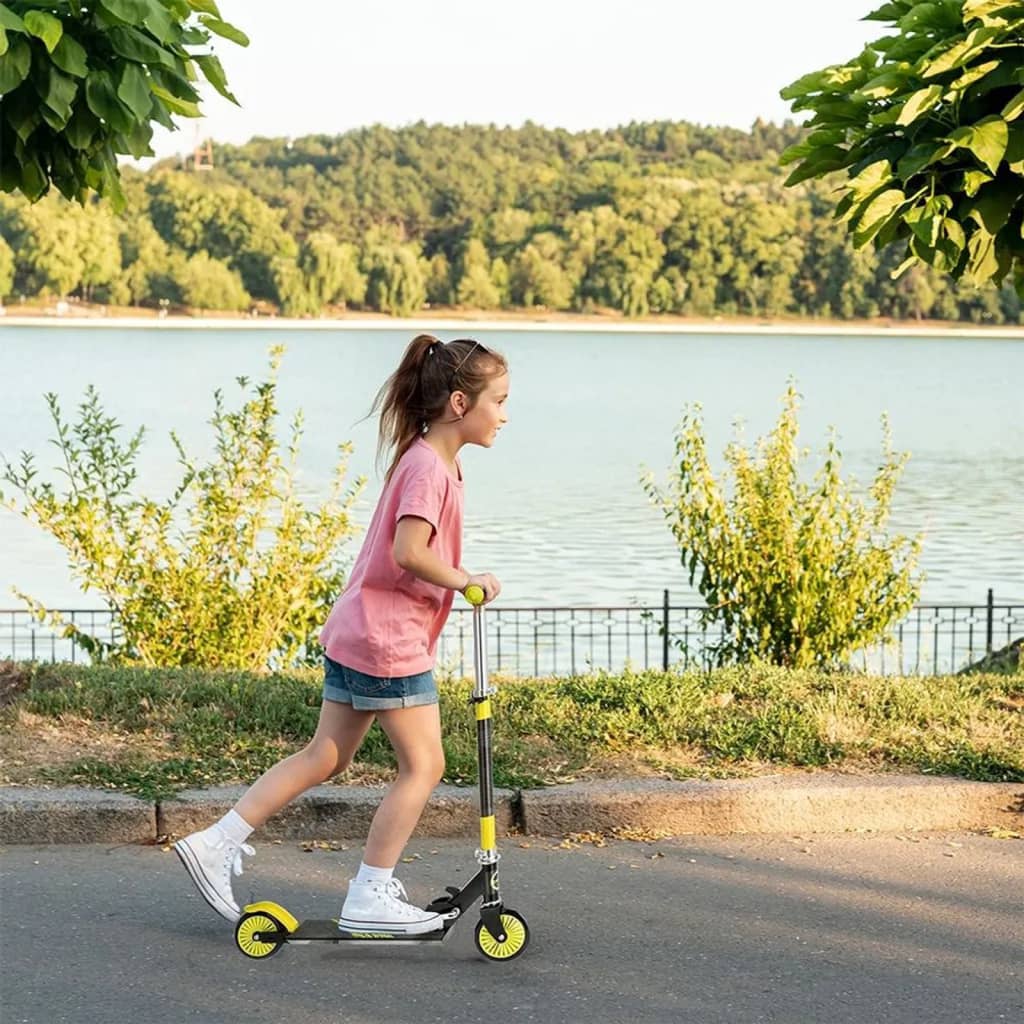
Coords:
pixel 368 873
pixel 235 827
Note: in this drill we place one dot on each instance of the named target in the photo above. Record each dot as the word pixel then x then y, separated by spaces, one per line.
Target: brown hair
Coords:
pixel 417 392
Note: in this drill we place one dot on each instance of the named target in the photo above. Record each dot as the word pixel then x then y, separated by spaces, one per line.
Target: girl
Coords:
pixel 381 635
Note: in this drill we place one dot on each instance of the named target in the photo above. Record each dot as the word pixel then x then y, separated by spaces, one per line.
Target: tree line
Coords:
pixel 664 217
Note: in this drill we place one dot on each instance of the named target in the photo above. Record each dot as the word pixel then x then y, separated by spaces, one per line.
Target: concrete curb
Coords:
pixel 810 802
pixel 342 812
pixel 74 816
pixel 819 802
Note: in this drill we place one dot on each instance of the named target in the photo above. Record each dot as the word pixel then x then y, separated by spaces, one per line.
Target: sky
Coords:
pixel 323 66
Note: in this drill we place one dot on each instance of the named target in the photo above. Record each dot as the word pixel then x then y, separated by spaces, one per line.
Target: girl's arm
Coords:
pixel 411 552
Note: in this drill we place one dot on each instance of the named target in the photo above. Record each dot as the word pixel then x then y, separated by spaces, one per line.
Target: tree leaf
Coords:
pixel 874 213
pixel 804 85
pixel 903 267
pixel 918 103
pixel 926 220
pixel 867 181
pixel 3 40
pixel 34 182
pixel 224 29
pixel 159 21
pixel 982 264
pixel 60 91
pixel 133 90
pixel 917 158
pixel 920 15
pixel 986 140
pixel 21 111
pixel 973 180
pixel 889 12
pixel 828 158
pixel 137 46
pixel 980 10
pixel 173 103
pixel 69 55
pixel 205 6
pixel 960 53
pixel 133 12
pixel 14 67
pixel 174 84
pixel 995 203
pixel 81 128
pixel 137 141
pixel 1014 107
pixel 1015 150
pixel 972 75
pixel 886 84
pixel 214 73
pixel 45 27
pixel 9 20
pixel 101 96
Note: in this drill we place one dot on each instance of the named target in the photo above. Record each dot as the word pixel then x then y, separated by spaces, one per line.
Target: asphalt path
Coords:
pixel 864 928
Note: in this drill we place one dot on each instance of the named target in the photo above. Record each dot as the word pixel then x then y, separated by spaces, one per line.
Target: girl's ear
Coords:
pixel 458 403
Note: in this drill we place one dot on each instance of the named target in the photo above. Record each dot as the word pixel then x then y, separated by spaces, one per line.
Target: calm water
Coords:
pixel 556 509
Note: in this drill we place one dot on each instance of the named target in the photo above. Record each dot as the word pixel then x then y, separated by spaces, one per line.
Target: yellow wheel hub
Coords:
pixel 515 938
pixel 249 928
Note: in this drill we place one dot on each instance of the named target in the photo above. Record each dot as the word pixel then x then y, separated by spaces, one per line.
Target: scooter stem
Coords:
pixel 482 703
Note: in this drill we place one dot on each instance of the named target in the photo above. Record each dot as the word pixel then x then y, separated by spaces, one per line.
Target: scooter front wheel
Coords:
pixel 517 935
pixel 249 932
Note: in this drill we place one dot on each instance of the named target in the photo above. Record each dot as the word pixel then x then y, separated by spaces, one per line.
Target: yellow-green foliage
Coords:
pixel 232 572
pixel 798 575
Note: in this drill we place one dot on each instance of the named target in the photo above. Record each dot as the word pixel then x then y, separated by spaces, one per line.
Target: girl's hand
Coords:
pixel 488 583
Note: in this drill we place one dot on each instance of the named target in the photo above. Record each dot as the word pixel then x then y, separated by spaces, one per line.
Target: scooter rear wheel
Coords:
pixel 517 936
pixel 249 927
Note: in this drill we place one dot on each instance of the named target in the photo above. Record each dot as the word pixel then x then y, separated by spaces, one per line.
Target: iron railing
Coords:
pixel 933 639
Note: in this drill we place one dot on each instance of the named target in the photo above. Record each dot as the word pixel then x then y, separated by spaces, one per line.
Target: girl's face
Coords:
pixel 481 424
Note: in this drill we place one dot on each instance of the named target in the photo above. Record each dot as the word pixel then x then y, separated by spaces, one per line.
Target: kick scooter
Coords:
pixel 501 934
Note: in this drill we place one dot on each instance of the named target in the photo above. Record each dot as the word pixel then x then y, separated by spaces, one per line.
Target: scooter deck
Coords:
pixel 328 931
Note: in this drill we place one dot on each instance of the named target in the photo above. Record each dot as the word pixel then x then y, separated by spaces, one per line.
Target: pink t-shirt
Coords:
pixel 387 621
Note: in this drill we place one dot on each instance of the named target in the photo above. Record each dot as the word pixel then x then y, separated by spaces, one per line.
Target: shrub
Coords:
pixel 797 575
pixel 237 577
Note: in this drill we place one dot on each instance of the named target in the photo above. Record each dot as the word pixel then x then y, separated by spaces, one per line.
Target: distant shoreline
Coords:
pixel 478 321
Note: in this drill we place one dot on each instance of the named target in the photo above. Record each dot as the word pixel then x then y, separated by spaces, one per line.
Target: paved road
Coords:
pixel 855 928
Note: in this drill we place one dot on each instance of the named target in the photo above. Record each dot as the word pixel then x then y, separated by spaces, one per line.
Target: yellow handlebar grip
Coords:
pixel 474 594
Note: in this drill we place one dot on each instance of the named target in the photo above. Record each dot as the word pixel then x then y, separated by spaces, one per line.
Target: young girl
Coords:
pixel 381 635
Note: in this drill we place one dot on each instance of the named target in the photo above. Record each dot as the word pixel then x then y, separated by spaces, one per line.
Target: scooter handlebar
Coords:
pixel 474 594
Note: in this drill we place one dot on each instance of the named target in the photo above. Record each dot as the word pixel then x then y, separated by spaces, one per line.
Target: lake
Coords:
pixel 555 509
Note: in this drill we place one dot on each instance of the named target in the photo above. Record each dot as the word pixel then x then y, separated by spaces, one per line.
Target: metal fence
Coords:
pixel 569 640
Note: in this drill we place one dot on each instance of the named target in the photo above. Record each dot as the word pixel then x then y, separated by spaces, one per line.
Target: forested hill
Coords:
pixel 648 218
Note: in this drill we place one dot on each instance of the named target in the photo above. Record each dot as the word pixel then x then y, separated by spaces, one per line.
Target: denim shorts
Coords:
pixel 374 693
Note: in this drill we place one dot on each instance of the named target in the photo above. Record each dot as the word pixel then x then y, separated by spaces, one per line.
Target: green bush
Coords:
pixel 797 575
pixel 232 571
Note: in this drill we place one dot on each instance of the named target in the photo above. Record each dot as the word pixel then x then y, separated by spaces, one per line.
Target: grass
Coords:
pixel 153 732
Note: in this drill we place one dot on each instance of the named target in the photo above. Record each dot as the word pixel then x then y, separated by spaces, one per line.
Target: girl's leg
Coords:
pixel 338 736
pixel 212 855
pixel 415 734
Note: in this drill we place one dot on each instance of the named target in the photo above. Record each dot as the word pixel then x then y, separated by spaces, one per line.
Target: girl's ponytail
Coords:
pixel 417 392
pixel 400 401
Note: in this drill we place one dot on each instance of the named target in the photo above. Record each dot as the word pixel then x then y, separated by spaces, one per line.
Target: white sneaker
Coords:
pixel 210 858
pixel 382 906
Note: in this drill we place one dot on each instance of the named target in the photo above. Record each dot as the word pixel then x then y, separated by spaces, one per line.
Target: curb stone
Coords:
pixel 794 802
pixel 809 802
pixel 30 815
pixel 342 812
